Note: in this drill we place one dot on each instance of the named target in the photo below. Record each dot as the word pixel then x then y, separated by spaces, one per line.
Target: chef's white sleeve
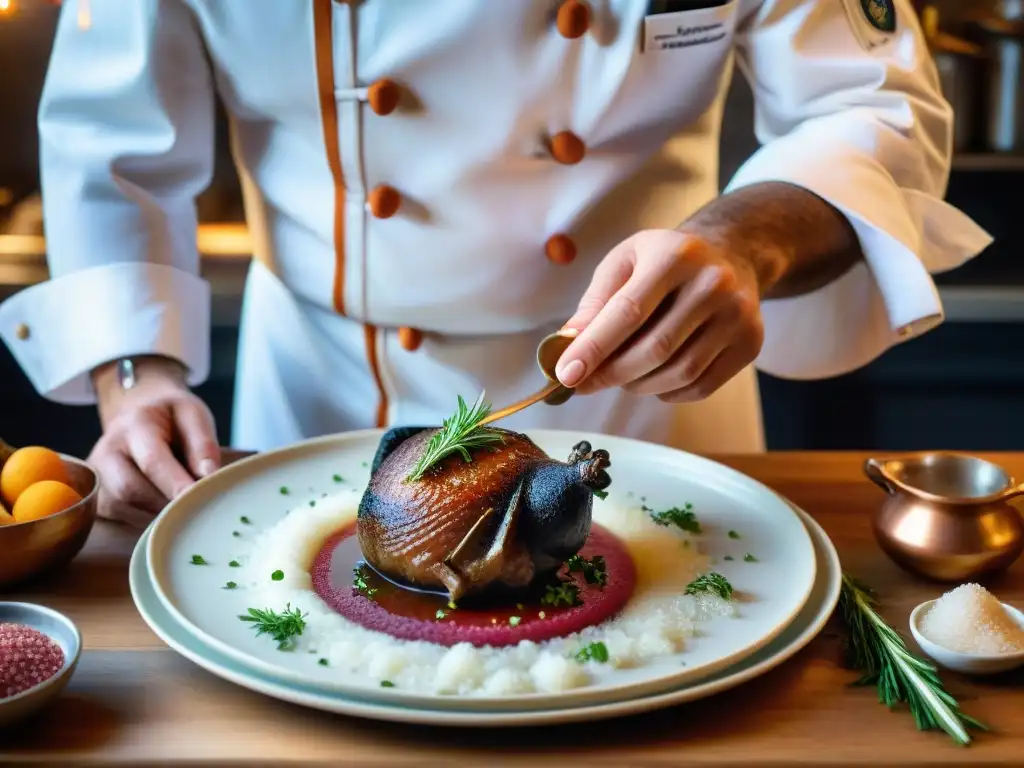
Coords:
pixel 126 143
pixel 854 113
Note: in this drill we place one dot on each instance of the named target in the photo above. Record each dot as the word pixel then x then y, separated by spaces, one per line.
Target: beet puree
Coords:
pixel 412 615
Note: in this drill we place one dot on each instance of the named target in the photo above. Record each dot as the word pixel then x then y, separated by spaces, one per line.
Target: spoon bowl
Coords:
pixel 967 663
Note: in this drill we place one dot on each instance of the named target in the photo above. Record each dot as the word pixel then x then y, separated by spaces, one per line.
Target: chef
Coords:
pixel 434 185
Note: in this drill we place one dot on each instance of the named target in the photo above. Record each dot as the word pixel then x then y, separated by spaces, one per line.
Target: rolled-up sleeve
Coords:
pixel 854 113
pixel 126 143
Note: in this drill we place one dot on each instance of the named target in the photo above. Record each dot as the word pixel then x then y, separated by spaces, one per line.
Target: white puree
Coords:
pixel 657 621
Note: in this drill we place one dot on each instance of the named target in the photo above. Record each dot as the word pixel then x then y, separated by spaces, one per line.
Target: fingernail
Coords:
pixel 570 373
pixel 207 467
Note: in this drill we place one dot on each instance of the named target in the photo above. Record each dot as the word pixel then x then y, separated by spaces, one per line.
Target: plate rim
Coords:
pixel 538 700
pixel 353 707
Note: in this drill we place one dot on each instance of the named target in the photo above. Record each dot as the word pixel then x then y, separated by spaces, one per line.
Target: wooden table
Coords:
pixel 134 701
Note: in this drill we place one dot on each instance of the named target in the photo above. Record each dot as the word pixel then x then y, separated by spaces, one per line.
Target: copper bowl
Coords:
pixel 40 546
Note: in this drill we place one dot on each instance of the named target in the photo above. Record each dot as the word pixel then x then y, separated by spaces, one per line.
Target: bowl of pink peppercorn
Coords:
pixel 39 650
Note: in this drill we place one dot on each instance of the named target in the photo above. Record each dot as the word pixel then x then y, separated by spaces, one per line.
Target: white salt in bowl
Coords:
pixel 968 663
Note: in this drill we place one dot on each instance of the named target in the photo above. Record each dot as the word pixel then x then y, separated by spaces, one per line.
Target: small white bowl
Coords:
pixel 968 663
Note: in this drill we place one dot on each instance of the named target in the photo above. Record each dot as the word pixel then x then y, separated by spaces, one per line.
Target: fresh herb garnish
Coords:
pixel 245 519
pixel 338 479
pixel 594 570
pixel 199 560
pixel 236 534
pixel 713 583
pixel 230 585
pixel 234 564
pixel 386 684
pixel 749 558
pixel 728 558
pixel 565 593
pixel 460 433
pixel 593 652
pixel 599 493
pixel 513 621
pixel 681 517
pixel 366 464
pixel 880 654
pixel 359 581
pixel 440 614
pixel 452 605
pixel 312 502
pixel 284 490
pixel 277 575
pixel 283 627
pixel 733 535
pixel 322 662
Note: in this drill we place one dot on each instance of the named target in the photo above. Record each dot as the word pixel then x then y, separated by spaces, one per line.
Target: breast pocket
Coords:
pixel 708 25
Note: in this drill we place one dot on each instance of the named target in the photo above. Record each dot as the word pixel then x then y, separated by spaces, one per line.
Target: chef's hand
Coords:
pixel 143 427
pixel 667 314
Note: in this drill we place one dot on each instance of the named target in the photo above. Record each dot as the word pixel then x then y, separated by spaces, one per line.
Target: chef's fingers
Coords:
pixel 730 362
pixel 680 315
pixel 151 453
pixel 611 274
pixel 124 493
pixel 198 436
pixel 622 315
pixel 688 363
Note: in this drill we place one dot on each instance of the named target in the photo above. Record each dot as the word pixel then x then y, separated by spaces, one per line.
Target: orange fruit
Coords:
pixel 27 466
pixel 5 517
pixel 47 497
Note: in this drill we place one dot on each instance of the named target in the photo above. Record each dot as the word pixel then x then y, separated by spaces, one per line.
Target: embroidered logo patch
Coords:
pixel 881 14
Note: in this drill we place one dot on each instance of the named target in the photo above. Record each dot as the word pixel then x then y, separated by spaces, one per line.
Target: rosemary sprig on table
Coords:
pixel 460 433
pixel 880 654
pixel 283 627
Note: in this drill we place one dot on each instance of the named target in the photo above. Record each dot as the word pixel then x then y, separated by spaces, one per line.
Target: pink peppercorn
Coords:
pixel 27 658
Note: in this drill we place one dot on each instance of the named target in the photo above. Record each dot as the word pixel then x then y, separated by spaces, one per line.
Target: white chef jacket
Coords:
pixel 406 255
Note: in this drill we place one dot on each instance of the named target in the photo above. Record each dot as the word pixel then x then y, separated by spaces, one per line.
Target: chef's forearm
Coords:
pixel 795 241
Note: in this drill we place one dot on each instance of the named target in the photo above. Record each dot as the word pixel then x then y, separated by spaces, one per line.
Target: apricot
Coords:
pixel 42 499
pixel 5 517
pixel 28 466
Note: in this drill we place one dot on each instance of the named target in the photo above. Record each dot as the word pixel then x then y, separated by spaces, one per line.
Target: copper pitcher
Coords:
pixel 948 516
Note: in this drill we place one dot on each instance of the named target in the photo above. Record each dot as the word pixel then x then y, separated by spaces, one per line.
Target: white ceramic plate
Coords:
pixel 203 521
pixel 805 627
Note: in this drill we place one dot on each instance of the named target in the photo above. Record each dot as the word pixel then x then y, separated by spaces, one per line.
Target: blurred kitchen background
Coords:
pixel 960 387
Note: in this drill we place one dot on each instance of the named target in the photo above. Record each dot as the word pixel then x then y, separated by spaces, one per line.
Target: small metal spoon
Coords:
pixel 549 351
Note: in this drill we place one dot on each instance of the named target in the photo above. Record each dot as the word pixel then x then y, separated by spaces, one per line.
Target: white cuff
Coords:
pixel 60 330
pixel 906 235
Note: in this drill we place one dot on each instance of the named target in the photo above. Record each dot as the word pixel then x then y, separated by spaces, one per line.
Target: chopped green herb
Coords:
pixel 198 560
pixel 230 585
pixel 359 581
pixel 594 570
pixel 277 575
pixel 366 464
pixel 322 662
pixel 284 490
pixel 599 493
pixel 749 558
pixel 386 684
pixel 566 593
pixel 730 558
pixel 452 605
pixel 312 502
pixel 234 564
pixel 236 534
pixel 681 517
pixel 513 621
pixel 713 583
pixel 338 479
pixel 440 614
pixel 519 606
pixel 593 652
pixel 733 535
pixel 245 519
pixel 283 627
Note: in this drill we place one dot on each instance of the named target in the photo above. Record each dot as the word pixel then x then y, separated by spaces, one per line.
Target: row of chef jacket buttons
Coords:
pixel 384 201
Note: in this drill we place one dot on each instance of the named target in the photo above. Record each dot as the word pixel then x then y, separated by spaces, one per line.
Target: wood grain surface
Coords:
pixel 133 701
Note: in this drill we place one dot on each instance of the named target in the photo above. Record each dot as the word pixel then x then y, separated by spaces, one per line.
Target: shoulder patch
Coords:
pixel 881 14
pixel 873 23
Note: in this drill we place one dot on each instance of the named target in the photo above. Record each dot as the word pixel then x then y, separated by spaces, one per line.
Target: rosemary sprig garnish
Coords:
pixel 284 627
pixel 460 433
pixel 880 654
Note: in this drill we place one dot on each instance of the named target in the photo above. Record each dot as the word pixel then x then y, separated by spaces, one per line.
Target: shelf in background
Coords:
pixel 988 161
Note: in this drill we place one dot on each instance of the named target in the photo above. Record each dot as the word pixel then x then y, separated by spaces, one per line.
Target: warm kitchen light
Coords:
pixel 6 7
pixel 84 14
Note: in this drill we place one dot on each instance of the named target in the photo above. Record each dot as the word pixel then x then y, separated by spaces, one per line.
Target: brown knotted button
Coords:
pixel 560 249
pixel 383 96
pixel 384 201
pixel 410 339
pixel 573 19
pixel 22 331
pixel 567 148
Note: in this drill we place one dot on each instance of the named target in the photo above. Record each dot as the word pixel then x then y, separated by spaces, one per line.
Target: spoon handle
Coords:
pixel 536 397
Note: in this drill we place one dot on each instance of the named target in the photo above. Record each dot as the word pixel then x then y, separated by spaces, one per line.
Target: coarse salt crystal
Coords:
pixel 969 619
pixel 27 658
